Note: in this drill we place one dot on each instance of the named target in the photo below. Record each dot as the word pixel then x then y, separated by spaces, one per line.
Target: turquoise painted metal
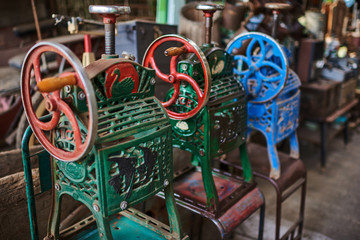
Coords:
pixel 45 174
pixel 218 128
pixel 120 148
pixel 273 90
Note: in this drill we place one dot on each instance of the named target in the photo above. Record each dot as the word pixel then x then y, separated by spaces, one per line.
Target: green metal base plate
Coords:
pixel 129 224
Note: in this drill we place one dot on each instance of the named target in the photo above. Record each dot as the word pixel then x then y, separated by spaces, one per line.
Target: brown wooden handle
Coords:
pixel 175 51
pixel 56 83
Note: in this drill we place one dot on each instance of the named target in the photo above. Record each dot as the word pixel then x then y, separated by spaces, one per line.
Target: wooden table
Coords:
pixel 326 134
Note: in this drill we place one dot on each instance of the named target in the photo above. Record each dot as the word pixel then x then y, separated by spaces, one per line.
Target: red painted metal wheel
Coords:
pixel 57 106
pixel 175 77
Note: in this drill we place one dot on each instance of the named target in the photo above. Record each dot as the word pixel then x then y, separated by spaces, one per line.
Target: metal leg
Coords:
pixel 323 143
pixel 245 163
pixel 262 222
pixel 208 180
pixel 30 190
pixel 174 221
pixel 54 219
pixel 201 223
pixel 274 158
pixel 278 214
pixel 302 208
pixel 196 226
pixel 103 225
pixel 294 145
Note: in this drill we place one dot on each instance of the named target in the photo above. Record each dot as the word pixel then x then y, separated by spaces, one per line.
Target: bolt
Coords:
pixel 217 126
pixel 67 89
pixel 57 187
pixel 128 56
pixel 101 235
pixel 152 81
pixel 123 205
pixel 96 208
pixel 184 67
pixel 166 182
pixel 81 95
pixel 202 152
pixel 171 78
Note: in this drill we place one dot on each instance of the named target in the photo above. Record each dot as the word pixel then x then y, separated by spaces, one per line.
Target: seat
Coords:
pixel 292 178
pixel 237 199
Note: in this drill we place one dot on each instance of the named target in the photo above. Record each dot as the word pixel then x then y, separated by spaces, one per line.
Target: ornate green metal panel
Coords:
pixel 221 125
pixel 131 158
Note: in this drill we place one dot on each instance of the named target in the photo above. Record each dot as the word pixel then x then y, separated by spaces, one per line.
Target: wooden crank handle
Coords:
pixel 175 51
pixel 56 83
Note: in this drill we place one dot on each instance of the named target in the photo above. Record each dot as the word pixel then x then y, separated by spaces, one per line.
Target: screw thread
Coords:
pixel 110 39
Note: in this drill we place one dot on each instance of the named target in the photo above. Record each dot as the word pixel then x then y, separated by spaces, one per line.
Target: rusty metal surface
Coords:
pixel 241 210
pixel 101 64
pixel 192 187
pixel 189 189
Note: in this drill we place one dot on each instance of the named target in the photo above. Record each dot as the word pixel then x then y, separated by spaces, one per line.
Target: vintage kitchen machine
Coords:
pixel 109 137
pixel 273 90
pixel 273 109
pixel 215 130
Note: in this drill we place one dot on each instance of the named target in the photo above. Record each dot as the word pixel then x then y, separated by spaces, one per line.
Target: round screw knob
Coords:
pixel 109 15
pixel 276 7
pixel 209 9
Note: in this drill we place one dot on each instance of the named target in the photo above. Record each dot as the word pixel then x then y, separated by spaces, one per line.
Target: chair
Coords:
pixel 293 177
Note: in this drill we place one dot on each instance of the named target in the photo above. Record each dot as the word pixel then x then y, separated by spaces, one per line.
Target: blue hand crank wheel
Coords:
pixel 261 63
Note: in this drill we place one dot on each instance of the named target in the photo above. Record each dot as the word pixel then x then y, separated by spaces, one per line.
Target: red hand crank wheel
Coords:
pixel 175 77
pixel 55 104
